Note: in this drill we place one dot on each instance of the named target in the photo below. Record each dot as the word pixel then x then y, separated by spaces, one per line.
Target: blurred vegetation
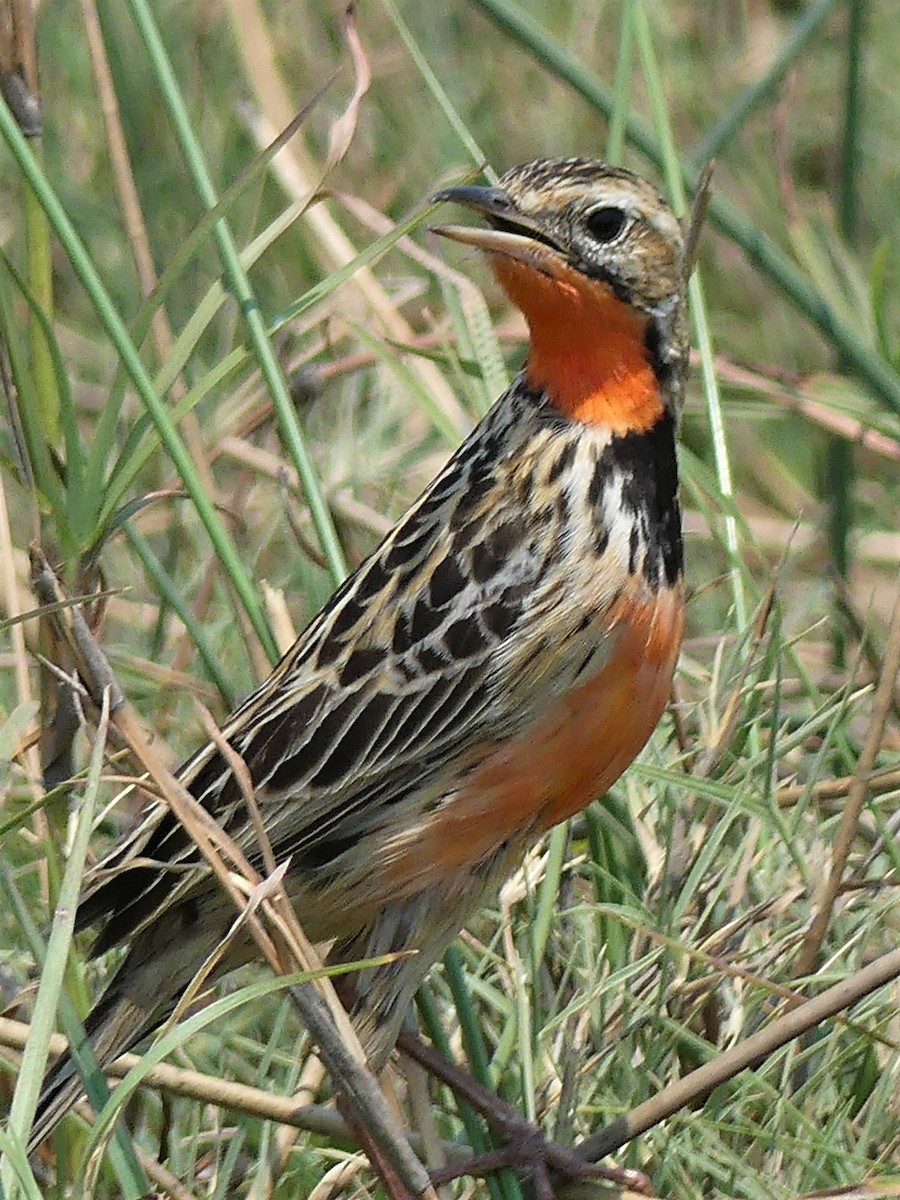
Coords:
pixel 684 896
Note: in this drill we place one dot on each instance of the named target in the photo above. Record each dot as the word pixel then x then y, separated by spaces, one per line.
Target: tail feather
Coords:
pixel 141 995
pixel 116 1024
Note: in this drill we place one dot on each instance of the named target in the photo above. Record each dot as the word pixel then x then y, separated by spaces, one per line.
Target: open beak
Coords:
pixel 508 231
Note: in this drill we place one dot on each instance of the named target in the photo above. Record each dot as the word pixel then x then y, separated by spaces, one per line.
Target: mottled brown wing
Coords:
pixel 384 691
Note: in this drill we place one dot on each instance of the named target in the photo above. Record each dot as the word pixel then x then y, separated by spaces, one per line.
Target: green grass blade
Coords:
pixel 40 286
pixel 104 438
pixel 171 594
pixel 674 181
pixel 388 355
pixel 118 335
pixel 239 283
pixel 431 1020
pixel 20 1178
pixel 80 501
pixel 144 439
pixel 615 140
pixel 176 1037
pixel 840 464
pixel 437 90
pixel 34 1057
pixel 370 254
pixel 476 341
pixel 475 1047
pixel 36 437
pixel 756 93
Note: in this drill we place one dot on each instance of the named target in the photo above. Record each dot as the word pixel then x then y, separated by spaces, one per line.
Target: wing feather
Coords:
pixel 381 694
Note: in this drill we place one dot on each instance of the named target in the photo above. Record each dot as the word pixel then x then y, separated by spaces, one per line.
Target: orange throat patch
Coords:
pixel 587 347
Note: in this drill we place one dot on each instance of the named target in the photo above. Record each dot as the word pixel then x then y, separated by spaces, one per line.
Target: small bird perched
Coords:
pixel 492 667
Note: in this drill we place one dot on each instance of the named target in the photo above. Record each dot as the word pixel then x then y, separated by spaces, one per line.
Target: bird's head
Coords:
pixel 596 260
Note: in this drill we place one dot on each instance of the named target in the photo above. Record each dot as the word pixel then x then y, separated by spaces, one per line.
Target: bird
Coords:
pixel 491 668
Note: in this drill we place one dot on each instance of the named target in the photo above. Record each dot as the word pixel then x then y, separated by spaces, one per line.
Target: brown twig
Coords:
pixel 526 1142
pixel 171 1186
pixel 206 1089
pixel 789 394
pixel 836 789
pixel 748 1053
pixel 319 1119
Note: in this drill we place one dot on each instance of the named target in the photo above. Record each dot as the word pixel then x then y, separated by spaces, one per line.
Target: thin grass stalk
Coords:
pixel 675 183
pixel 121 1151
pixel 249 1100
pixel 475 342
pixel 548 894
pixel 839 475
pixel 431 1020
pixel 848 196
pixel 133 219
pixel 760 90
pixel 829 890
pixel 858 355
pixel 605 886
pixel 434 85
pixel 40 281
pixel 192 245
pixel 36 448
pixel 117 333
pixel 15 1161
pixel 240 284
pixel 37 229
pixel 400 368
pixel 14 629
pixel 615 139
pixel 142 441
pixel 476 1052
pixel 53 970
pixel 369 254
pixel 169 1041
pixel 168 592
pixel 549 890
pixel 79 499
pixel 840 458
pixel 745 1054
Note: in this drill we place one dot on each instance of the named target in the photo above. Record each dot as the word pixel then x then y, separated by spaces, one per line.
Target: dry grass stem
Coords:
pixel 747 1053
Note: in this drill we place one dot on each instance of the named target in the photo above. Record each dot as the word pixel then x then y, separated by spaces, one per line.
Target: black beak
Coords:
pixel 492 201
pixel 509 232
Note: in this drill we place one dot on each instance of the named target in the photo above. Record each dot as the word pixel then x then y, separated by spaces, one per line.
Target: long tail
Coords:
pixel 161 962
pixel 116 1023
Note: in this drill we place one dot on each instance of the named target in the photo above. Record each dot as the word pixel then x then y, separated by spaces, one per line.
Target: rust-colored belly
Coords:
pixel 570 755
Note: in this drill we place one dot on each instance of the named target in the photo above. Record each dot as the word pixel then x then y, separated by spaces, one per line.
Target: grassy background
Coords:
pixel 684 897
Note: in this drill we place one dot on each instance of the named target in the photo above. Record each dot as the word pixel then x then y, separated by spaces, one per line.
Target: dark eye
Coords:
pixel 605 224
